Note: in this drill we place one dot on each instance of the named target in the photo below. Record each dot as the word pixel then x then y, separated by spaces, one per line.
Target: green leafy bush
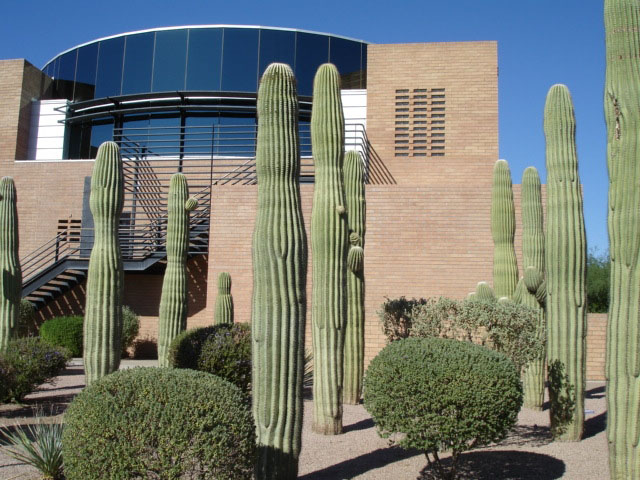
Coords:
pixel 438 395
pixel 27 323
pixel 34 362
pixel 159 423
pixel 7 379
pixel 223 350
pixel 130 328
pixel 506 327
pixel 395 316
pixel 65 332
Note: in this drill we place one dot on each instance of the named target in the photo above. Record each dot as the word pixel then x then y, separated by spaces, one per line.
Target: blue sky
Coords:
pixel 540 43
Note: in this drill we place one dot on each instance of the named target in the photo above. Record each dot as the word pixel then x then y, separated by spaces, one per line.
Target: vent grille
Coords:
pixel 420 122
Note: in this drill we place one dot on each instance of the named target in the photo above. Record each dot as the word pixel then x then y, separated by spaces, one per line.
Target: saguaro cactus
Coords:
pixel 329 246
pixel 103 310
pixel 11 280
pixel 172 317
pixel 224 301
pixel 565 269
pixel 622 112
pixel 533 258
pixel 503 229
pixel 354 332
pixel 279 280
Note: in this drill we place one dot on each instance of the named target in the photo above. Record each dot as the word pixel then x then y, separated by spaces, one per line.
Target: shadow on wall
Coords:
pixel 378 173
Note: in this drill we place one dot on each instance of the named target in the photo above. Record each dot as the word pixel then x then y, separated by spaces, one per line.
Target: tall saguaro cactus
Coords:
pixel 279 280
pixel 329 244
pixel 565 266
pixel 503 229
pixel 172 317
pixel 354 331
pixel 103 310
pixel 224 301
pixel 11 280
pixel 622 112
pixel 533 258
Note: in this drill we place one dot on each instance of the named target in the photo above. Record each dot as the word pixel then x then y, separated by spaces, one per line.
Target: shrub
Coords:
pixel 223 350
pixel 34 361
pixel 145 348
pixel 396 317
pixel 130 328
pixel 27 324
pixel 64 332
pixel 506 327
pixel 437 395
pixel 7 379
pixel 159 423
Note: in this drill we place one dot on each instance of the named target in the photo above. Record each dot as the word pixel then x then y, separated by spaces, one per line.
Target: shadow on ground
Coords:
pixel 504 464
pixel 362 464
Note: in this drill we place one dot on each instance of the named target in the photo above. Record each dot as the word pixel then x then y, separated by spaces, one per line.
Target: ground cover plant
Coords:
pixel 440 395
pixel 196 425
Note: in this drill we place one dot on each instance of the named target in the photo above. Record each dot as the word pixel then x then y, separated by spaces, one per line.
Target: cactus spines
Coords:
pixel 224 301
pixel 11 288
pixel 565 267
pixel 533 296
pixel 172 317
pixel 103 310
pixel 621 102
pixel 279 280
pixel 503 228
pixel 329 244
pixel 354 331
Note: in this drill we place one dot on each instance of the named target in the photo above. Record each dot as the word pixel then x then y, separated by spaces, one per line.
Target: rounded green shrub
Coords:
pixel 33 362
pixel 130 328
pixel 223 350
pixel 65 332
pixel 159 423
pixel 437 394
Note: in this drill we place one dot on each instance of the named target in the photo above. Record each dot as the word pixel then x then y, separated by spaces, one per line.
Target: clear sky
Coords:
pixel 540 43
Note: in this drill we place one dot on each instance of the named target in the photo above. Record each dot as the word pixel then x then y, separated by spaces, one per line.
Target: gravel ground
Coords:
pixel 360 453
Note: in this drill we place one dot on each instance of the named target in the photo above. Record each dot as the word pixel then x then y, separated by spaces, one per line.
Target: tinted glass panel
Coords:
pixel 311 52
pixel 240 60
pixel 86 73
pixel 277 46
pixel 109 77
pixel 164 136
pixel 169 60
pixel 79 141
pixel 101 132
pixel 66 74
pixel 364 65
pixel 236 136
pixel 204 59
pixel 345 55
pixel 199 133
pixel 138 60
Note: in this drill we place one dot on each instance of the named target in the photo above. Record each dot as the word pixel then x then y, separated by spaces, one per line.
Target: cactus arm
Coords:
pixel 103 310
pixel 279 280
pixel 224 302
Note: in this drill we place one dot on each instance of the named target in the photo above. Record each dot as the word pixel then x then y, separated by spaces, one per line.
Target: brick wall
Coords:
pixel 596 345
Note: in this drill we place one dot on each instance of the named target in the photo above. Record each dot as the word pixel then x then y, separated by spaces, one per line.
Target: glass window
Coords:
pixel 240 60
pixel 204 59
pixel 164 135
pixel 109 76
pixel 86 73
pixel 169 60
pixel 79 141
pixel 138 61
pixel 100 132
pixel 311 52
pixel 199 134
pixel 345 55
pixel 236 136
pixel 277 46
pixel 66 75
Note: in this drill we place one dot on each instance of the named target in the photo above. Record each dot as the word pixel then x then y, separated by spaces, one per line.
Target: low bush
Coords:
pixel 27 323
pixel 7 379
pixel 223 350
pixel 506 327
pixel 438 395
pixel 65 332
pixel 130 328
pixel 34 362
pixel 159 423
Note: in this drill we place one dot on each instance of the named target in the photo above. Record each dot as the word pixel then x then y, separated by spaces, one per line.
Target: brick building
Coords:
pixel 424 117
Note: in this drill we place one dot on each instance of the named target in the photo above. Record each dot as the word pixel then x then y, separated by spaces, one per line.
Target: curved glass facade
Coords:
pixel 216 59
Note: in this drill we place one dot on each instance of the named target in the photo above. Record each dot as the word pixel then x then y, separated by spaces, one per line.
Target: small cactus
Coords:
pixel 354 332
pixel 103 310
pixel 484 293
pixel 329 244
pixel 173 301
pixel 11 288
pixel 224 301
pixel 503 228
